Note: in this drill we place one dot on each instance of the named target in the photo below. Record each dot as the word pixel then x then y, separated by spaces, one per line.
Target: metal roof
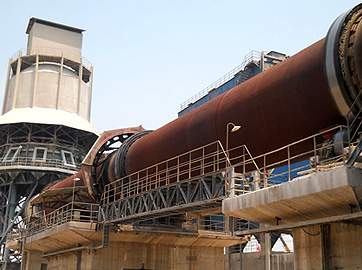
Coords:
pixel 53 24
pixel 47 116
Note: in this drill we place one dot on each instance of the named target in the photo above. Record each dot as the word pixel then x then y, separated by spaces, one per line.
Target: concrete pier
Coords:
pixel 328 246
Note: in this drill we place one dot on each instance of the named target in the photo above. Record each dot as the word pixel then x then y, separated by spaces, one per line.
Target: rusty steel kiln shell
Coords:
pixel 309 92
pixel 288 102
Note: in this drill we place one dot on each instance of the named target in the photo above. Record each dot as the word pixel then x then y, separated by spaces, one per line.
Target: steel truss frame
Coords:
pixel 26 176
pixel 44 133
pixel 203 192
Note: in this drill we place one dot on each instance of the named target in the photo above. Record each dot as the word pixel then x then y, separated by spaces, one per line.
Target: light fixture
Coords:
pixel 234 129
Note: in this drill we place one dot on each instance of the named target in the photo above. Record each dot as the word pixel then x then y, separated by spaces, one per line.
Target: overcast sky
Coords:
pixel 150 56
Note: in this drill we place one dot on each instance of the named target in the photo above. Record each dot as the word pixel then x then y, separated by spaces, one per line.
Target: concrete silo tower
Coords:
pixel 44 127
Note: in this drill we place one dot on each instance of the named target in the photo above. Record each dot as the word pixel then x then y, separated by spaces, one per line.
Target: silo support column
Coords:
pixel 10 209
pixel 265 243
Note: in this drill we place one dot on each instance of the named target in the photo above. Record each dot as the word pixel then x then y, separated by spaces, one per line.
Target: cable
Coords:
pixel 311 234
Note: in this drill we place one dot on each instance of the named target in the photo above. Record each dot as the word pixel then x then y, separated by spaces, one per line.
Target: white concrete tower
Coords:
pixel 51 75
pixel 44 127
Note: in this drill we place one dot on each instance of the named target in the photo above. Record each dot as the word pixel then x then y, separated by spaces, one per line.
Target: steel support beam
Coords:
pixel 285 227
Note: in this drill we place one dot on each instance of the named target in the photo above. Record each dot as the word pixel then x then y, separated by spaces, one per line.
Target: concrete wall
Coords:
pixel 330 246
pixel 48 40
pixel 255 261
pixel 135 255
pixel 54 90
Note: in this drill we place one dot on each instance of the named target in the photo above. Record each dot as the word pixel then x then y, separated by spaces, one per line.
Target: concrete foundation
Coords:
pixel 328 246
pixel 77 246
pixel 138 255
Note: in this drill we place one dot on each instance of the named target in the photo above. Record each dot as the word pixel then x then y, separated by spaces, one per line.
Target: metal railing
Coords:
pixel 49 51
pixel 285 163
pixel 309 155
pixel 222 223
pixel 74 211
pixel 16 55
pixel 200 161
pixel 203 224
pixel 214 223
pixel 29 162
pixel 250 57
pixel 23 155
pixel 242 224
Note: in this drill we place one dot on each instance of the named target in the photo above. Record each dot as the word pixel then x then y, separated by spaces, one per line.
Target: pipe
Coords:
pixel 311 91
pixel 71 250
pixel 65 251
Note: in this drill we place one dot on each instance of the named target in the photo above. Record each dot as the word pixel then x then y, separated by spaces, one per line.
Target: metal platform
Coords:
pixel 319 195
